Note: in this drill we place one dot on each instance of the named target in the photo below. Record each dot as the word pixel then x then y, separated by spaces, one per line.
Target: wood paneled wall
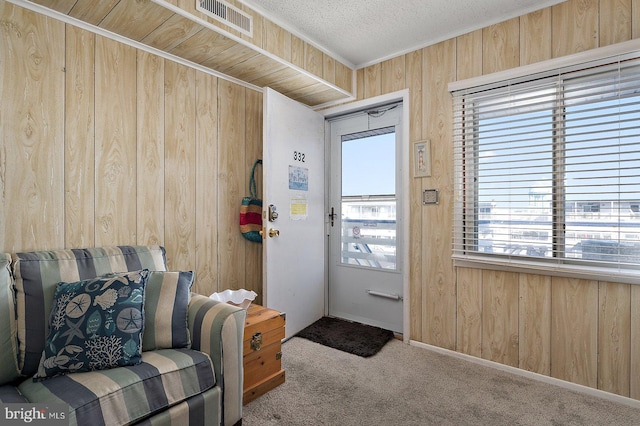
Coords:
pixel 586 332
pixel 103 144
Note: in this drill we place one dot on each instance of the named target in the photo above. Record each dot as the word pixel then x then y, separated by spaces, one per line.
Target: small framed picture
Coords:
pixel 422 158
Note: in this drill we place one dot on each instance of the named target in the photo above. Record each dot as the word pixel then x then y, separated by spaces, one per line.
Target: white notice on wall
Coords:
pixel 298 209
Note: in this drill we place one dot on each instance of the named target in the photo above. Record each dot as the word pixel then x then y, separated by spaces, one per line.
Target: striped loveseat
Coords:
pixel 188 371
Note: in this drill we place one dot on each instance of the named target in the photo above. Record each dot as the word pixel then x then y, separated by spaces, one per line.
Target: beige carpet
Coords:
pixel 407 385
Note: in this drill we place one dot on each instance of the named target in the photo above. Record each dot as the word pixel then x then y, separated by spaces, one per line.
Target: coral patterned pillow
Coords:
pixel 95 324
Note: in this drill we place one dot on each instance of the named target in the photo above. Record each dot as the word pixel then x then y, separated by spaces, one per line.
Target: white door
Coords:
pixel 294 183
pixel 365 255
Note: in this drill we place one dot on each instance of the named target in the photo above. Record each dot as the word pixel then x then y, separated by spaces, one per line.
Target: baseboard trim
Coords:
pixel 531 375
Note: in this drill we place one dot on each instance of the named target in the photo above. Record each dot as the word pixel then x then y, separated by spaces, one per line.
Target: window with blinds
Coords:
pixel 548 168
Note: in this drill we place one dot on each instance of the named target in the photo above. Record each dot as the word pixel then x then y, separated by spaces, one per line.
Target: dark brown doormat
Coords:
pixel 358 339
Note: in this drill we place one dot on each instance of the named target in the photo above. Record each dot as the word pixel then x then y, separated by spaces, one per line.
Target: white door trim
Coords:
pixel 402 96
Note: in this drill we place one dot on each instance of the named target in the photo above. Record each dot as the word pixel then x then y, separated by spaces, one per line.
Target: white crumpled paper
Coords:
pixel 241 298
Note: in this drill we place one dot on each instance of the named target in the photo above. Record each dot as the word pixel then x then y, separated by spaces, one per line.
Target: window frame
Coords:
pixel 555 265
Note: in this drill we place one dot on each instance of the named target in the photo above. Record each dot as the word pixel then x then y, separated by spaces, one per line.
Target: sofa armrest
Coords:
pixel 217 329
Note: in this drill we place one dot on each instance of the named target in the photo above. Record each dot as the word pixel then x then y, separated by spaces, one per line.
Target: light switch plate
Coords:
pixel 429 196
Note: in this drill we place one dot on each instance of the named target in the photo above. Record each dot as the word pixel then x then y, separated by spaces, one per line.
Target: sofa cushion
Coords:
pixel 37 274
pixel 8 328
pixel 124 395
pixel 201 409
pixel 167 298
pixel 95 324
pixel 10 394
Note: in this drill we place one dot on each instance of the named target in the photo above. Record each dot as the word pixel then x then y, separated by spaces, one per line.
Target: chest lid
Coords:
pixel 262 320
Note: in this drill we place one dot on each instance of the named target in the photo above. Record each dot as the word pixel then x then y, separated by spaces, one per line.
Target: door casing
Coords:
pixel 402 96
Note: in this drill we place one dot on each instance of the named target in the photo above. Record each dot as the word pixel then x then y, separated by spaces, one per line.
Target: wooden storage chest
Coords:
pixel 262 351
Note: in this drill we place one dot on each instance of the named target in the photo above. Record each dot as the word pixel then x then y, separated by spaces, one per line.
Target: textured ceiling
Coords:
pixel 363 32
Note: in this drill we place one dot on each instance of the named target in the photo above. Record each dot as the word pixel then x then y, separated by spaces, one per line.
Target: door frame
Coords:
pixel 405 172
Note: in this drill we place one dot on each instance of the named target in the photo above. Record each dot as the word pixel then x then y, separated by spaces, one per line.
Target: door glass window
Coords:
pixel 368 222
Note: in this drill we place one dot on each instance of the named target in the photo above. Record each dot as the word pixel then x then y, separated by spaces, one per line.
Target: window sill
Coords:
pixel 628 276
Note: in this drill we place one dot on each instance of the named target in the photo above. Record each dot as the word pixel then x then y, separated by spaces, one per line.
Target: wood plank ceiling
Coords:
pixel 160 27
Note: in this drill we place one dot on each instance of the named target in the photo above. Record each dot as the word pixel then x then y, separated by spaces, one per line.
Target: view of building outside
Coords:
pixel 592 168
pixel 602 230
pixel 368 220
pixel 369 232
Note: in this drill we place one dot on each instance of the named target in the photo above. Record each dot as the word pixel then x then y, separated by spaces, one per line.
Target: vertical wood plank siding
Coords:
pixel 585 332
pixel 79 146
pixel 32 144
pixel 147 152
pixel 150 152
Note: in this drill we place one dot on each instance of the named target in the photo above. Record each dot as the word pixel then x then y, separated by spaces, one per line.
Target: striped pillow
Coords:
pixel 37 274
pixel 167 299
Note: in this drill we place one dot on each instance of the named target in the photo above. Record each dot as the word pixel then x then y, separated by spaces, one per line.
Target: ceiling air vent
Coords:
pixel 227 14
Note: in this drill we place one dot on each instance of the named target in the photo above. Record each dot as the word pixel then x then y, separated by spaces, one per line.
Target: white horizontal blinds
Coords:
pixel 504 144
pixel 549 169
pixel 601 129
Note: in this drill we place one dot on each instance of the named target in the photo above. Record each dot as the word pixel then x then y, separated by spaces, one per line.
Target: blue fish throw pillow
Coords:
pixel 95 324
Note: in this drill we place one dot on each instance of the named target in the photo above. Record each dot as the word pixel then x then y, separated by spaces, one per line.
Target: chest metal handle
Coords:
pixel 256 341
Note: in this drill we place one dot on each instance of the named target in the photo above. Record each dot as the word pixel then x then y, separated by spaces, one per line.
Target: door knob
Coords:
pixel 273 232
